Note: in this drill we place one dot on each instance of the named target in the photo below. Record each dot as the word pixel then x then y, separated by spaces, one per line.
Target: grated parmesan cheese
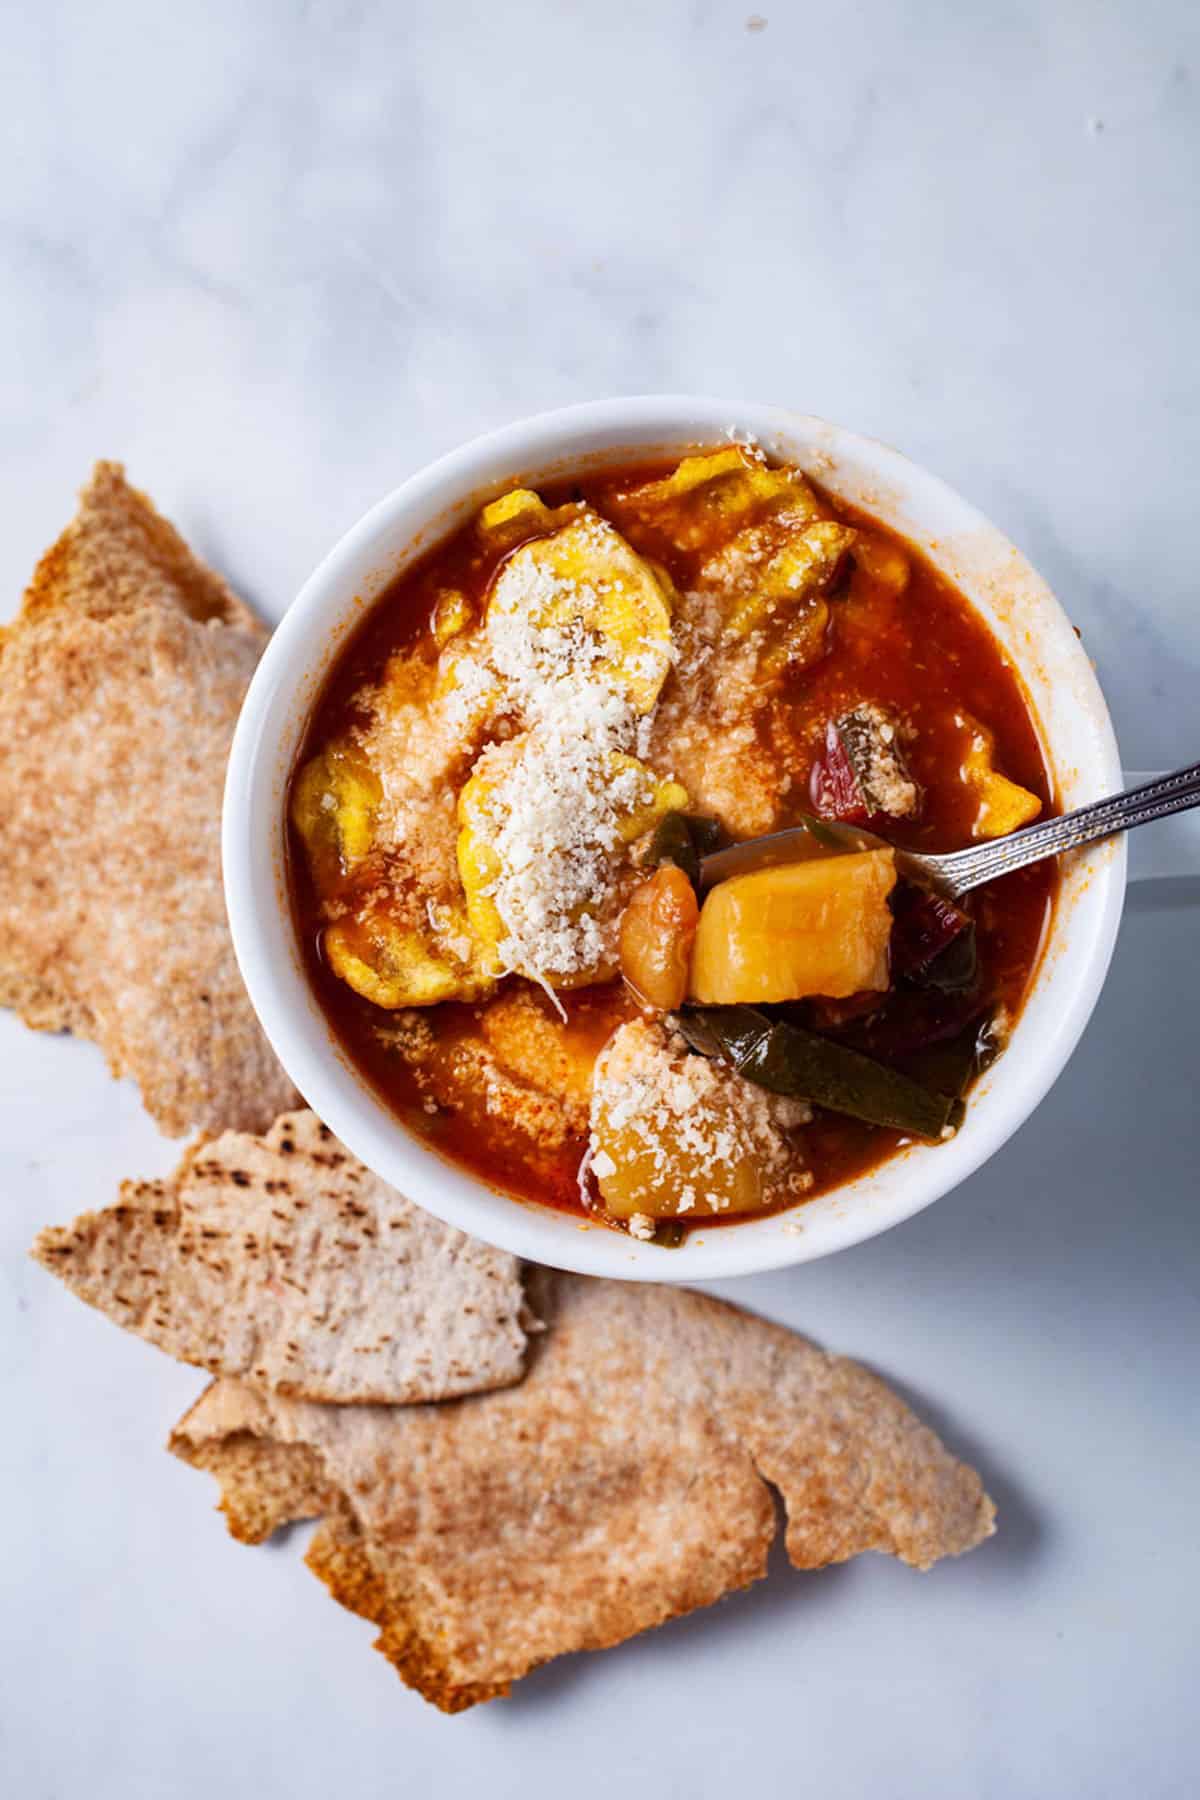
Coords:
pixel 558 796
pixel 471 693
pixel 555 802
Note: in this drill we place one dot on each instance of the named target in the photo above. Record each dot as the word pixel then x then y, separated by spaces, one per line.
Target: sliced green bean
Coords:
pixel 786 1059
pixel 683 839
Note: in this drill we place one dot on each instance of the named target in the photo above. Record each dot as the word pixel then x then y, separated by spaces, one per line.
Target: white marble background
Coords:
pixel 274 257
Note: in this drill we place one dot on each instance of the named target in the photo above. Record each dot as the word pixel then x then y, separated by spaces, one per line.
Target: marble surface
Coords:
pixel 277 256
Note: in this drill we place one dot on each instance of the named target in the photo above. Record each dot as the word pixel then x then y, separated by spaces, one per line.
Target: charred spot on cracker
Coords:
pixel 452 1306
pixel 657 1418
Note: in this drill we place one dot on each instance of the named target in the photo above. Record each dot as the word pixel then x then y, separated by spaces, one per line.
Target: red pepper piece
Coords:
pixel 925 925
pixel 923 1020
pixel 861 775
pixel 833 785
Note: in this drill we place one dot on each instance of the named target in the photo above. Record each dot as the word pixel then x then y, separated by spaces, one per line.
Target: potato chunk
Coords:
pixel 677 1135
pixel 581 603
pixel 1003 805
pixel 806 928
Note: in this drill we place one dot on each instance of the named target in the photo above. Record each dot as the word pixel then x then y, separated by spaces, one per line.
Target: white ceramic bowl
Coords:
pixel 1024 616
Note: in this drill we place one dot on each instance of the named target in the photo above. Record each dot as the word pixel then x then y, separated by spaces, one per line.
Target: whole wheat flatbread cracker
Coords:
pixel 623 1482
pixel 120 684
pixel 283 1260
pixel 118 554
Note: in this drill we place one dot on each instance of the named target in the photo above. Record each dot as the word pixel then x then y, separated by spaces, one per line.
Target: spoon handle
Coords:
pixel 1172 850
pixel 1157 799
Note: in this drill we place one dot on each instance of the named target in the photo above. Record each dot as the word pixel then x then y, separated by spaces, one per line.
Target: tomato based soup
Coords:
pixel 493 1068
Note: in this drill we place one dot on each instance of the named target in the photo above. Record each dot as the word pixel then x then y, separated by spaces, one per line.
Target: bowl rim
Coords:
pixel 272 722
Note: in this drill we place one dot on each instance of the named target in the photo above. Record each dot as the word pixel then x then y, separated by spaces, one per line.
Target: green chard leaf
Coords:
pixel 683 839
pixel 786 1059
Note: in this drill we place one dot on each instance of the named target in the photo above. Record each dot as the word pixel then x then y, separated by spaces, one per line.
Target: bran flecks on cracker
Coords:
pixel 120 684
pixel 623 1482
pixel 282 1260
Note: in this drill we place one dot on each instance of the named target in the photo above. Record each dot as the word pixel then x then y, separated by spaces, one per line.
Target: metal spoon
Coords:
pixel 960 870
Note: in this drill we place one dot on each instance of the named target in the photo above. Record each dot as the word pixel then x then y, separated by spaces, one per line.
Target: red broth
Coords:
pixel 923 653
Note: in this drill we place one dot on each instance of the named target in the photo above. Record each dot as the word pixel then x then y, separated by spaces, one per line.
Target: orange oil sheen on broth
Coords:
pixel 922 653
